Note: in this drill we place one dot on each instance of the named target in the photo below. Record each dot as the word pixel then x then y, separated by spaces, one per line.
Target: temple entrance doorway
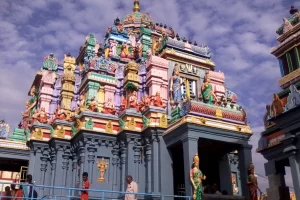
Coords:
pixel 178 169
pixel 12 170
pixel 211 153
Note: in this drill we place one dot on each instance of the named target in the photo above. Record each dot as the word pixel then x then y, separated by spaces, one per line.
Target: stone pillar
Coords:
pixel 65 167
pixel 190 148
pixel 245 158
pixel 53 166
pixel 81 161
pixel 91 161
pixel 74 171
pixel 225 173
pixel 277 189
pixel 137 161
pixel 148 149
pixel 115 163
pixel 44 159
pixel 155 165
pixel 295 170
pixel 123 166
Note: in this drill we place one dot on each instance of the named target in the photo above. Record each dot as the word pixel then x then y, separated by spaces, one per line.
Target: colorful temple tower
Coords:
pixel 142 102
pixel 279 143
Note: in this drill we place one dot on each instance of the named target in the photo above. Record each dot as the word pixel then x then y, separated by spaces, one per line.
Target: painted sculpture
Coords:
pixel 32 102
pixel 4 129
pixel 276 106
pixel 196 178
pixel 157 101
pixel 93 106
pixel 185 106
pixel 252 183
pixel 102 166
pixel 133 100
pixel 207 91
pixel 109 107
pixel 175 87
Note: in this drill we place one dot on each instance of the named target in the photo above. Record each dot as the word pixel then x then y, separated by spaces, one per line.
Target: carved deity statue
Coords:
pixel 102 165
pixel 207 91
pixel 60 113
pixel 157 100
pixel 252 183
pixel 185 106
pixel 132 100
pixel 106 48
pixel 109 107
pixel 32 102
pixel 175 87
pixel 124 51
pixel 25 116
pixel 267 116
pixel 81 103
pixel 277 106
pixel 196 178
pixel 145 103
pixel 42 116
pixel 123 104
pixel 93 106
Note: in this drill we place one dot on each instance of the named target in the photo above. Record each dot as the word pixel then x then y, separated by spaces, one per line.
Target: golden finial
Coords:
pixel 136 6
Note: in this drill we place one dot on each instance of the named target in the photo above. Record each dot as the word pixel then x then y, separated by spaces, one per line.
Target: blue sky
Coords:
pixel 240 35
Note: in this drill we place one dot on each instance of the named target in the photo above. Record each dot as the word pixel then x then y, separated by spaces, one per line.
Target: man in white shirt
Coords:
pixel 132 187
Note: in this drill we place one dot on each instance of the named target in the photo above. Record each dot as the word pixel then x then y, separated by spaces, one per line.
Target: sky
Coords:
pixel 240 35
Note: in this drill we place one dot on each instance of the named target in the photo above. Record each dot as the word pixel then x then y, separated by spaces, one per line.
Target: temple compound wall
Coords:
pixel 142 102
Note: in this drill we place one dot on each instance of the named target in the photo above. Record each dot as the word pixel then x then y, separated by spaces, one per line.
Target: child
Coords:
pixel 85 185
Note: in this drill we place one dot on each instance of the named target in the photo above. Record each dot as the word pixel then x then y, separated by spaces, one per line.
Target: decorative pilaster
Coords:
pixel 91 160
pixel 190 148
pixel 65 167
pixel 123 166
pixel 53 166
pixel 81 161
pixel 74 169
pixel 44 159
pixel 277 188
pixel 137 161
pixel 245 158
pixel 115 163
pixel 295 170
pixel 148 149
pixel 155 162
pixel 68 82
pixel 109 93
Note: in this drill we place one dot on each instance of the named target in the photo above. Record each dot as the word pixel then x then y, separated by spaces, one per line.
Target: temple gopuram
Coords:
pixel 279 143
pixel 141 102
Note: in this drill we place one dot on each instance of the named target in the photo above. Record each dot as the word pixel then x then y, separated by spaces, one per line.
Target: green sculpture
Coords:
pixel 196 178
pixel 89 124
pixel 50 62
pixel 207 91
pixel 122 124
pixel 73 130
pixel 145 121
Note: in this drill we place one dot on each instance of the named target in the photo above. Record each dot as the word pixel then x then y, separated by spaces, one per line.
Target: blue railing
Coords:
pixel 63 193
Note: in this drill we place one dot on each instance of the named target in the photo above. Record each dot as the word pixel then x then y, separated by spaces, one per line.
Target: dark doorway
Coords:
pixel 178 169
pixel 12 169
pixel 210 152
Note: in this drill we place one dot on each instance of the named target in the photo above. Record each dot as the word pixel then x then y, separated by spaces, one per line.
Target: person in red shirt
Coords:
pixel 85 186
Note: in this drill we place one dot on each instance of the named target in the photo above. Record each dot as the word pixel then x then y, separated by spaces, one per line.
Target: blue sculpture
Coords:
pixel 4 129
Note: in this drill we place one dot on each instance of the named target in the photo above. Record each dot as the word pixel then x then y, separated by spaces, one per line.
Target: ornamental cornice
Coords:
pixel 286 45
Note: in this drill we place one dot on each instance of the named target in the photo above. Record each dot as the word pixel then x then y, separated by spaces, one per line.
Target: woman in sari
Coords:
pixel 196 177
pixel 252 183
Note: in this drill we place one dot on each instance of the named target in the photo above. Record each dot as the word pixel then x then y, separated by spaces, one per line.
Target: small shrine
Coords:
pixel 141 102
pixel 279 142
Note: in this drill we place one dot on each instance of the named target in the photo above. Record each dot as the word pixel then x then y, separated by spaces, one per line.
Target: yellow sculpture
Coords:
pixel 109 127
pixel 102 165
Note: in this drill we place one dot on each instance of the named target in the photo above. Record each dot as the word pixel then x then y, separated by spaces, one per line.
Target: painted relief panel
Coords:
pixel 103 164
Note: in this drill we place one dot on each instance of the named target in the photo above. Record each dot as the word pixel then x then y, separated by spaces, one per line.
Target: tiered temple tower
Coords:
pixel 142 102
pixel 279 143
